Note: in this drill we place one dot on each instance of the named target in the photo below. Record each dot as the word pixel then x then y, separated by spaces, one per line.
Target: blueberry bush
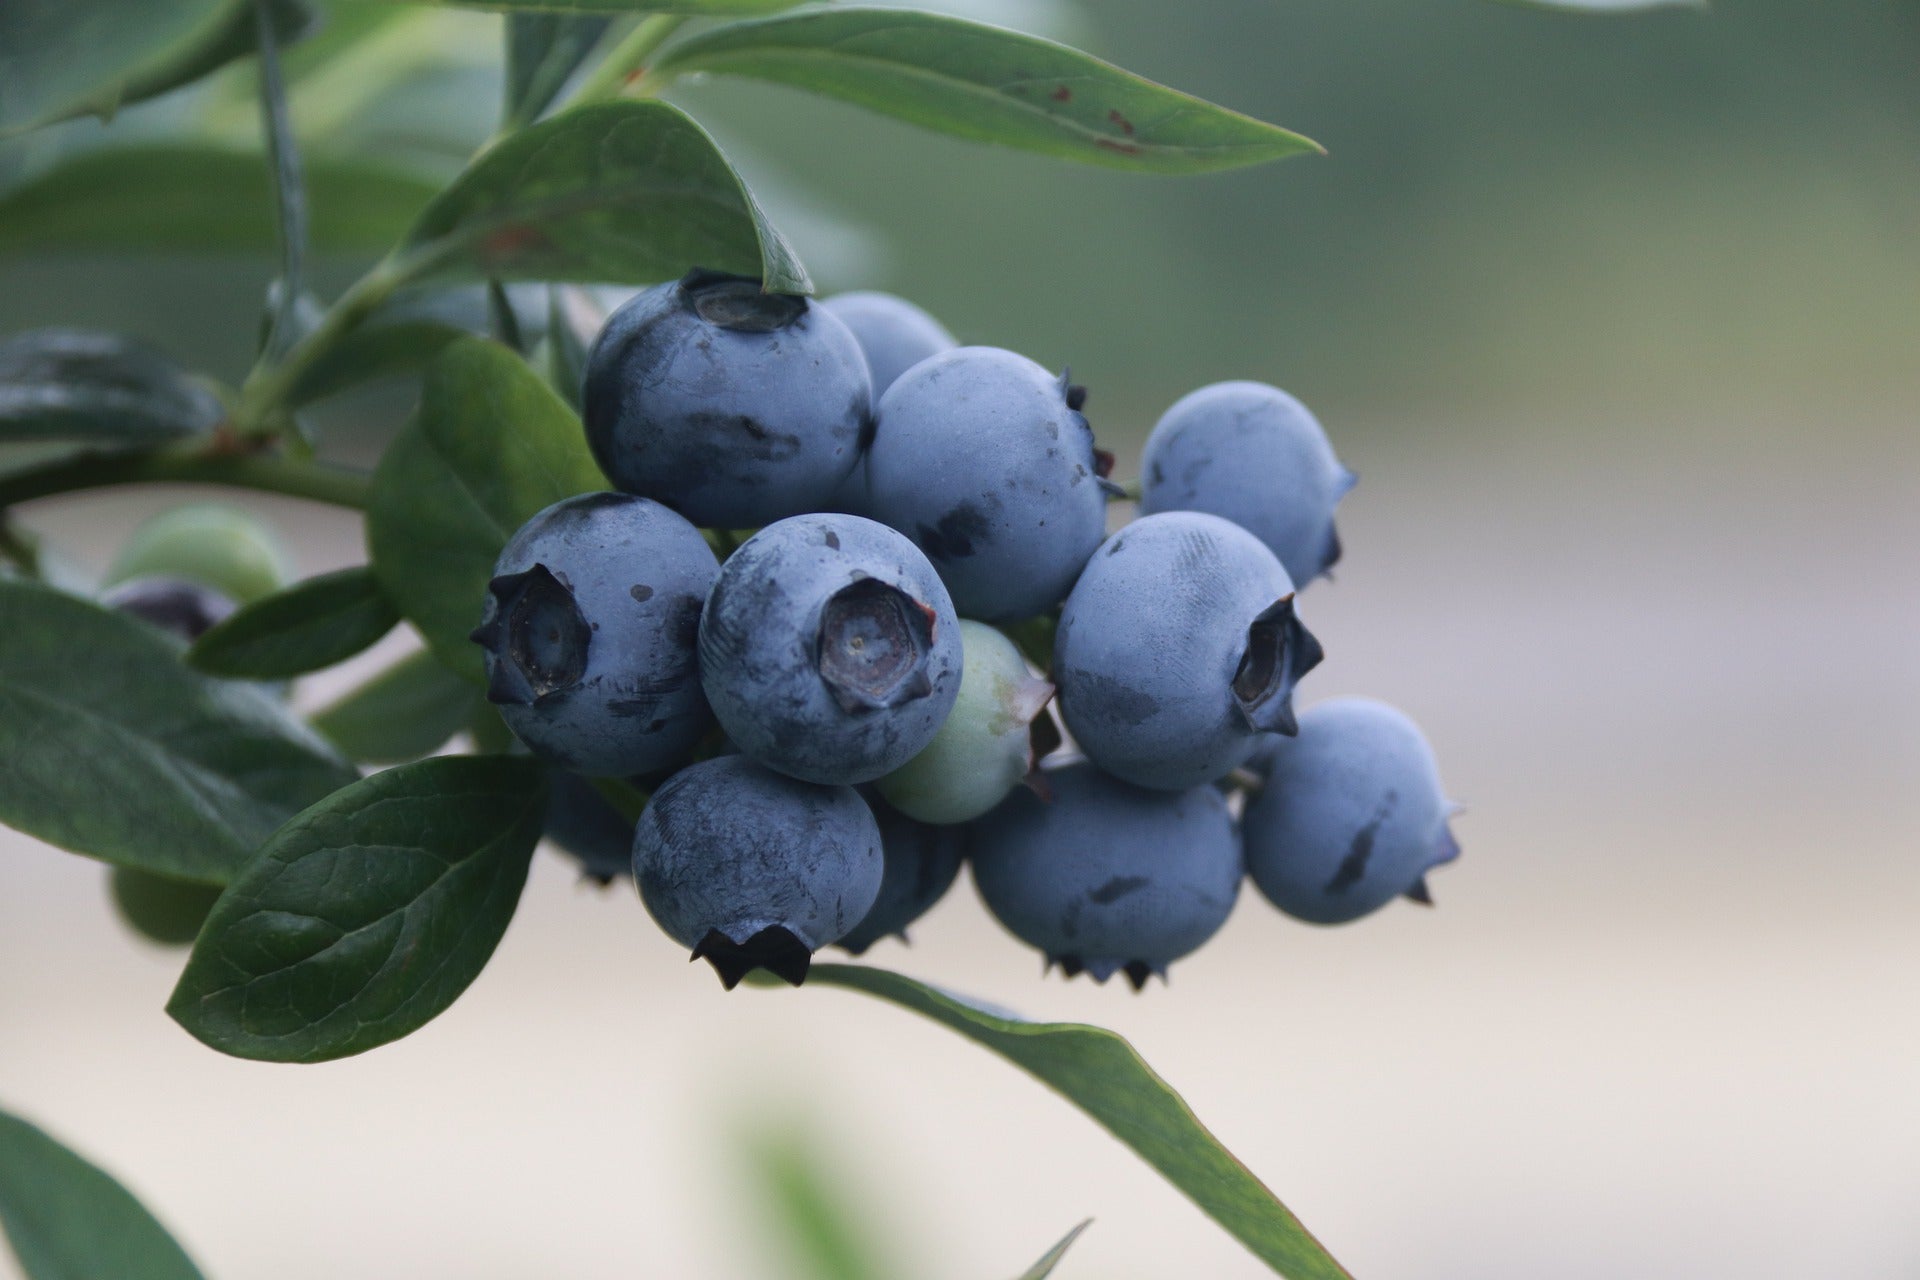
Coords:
pixel 773 605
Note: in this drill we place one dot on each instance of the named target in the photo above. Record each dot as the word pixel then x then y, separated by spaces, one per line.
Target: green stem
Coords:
pixel 626 63
pixel 290 194
pixel 316 481
pixel 269 387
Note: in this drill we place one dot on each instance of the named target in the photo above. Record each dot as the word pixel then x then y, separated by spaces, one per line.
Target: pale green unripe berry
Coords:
pixel 984 750
pixel 211 543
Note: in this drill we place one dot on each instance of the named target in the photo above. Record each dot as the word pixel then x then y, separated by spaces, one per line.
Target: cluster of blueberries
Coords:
pixel 836 714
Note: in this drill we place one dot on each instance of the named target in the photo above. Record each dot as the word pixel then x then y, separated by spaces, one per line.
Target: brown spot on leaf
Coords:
pixel 1063 94
pixel 1126 125
pixel 1124 148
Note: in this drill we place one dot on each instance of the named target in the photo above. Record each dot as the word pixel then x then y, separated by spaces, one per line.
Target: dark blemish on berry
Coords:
pixel 1117 888
pixel 640 593
pixel 833 540
pixel 1353 867
pixel 956 534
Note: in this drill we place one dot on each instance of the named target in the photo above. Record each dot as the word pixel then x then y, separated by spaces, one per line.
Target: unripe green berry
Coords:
pixel 211 543
pixel 984 749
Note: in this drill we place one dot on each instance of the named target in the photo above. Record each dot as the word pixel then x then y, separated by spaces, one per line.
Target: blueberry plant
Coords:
pixel 766 603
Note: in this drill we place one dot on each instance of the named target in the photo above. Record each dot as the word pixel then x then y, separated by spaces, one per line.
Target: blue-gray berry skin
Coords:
pixel 922 863
pixel 983 458
pixel 829 649
pixel 1178 649
pixel 1252 454
pixel 582 823
pixel 589 634
pixel 1351 815
pixel 893 334
pixel 733 406
pixel 1108 876
pixel 753 869
pixel 184 609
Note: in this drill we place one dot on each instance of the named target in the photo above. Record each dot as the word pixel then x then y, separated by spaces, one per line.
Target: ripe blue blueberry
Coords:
pixel 589 632
pixel 894 335
pixel 983 458
pixel 986 747
pixel 733 406
pixel 922 862
pixel 1351 815
pixel 753 869
pixel 829 649
pixel 182 608
pixel 1252 454
pixel 1178 648
pixel 584 824
pixel 1108 876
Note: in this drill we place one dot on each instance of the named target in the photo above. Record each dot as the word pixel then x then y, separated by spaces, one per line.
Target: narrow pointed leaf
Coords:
pixel 621 192
pixel 1101 1074
pixel 405 712
pixel 308 626
pixel 693 8
pixel 1051 1259
pixel 113 747
pixel 490 446
pixel 1609 6
pixel 67 1219
pixel 366 916
pixel 987 84
pixel 203 197
pixel 543 52
pixel 89 387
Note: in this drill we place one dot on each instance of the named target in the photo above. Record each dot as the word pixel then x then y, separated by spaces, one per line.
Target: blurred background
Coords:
pixel 1619 322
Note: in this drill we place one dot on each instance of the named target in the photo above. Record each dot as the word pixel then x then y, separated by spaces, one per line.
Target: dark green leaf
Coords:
pixel 1101 1074
pixel 201 197
pixel 67 1219
pixel 490 446
pixel 403 713
pixel 362 919
pixel 308 626
pixel 379 349
pixel 988 84
pixel 91 57
pixel 113 747
pixel 697 8
pixel 573 319
pixel 1051 1259
pixel 622 191
pixel 1610 6
pixel 543 52
pixel 97 388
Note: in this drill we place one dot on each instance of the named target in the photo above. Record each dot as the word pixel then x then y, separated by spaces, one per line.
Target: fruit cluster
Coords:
pixel 825 714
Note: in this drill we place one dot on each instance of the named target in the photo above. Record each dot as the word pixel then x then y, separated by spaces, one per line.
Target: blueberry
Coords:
pixel 893 334
pixel 1108 876
pixel 184 609
pixel 1351 816
pixel 211 543
pixel 589 630
pixel 733 406
pixel 829 649
pixel 1252 454
pixel 753 869
pixel 983 459
pixel 1177 649
pixel 922 863
pixel 985 748
pixel 160 908
pixel 584 824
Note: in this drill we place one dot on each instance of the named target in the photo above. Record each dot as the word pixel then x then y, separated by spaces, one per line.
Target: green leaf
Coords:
pixel 1101 1074
pixel 574 316
pixel 1609 6
pixel 819 1229
pixel 98 388
pixel 543 52
pixel 111 746
pixel 308 626
pixel 987 84
pixel 406 711
pixel 696 8
pixel 622 192
pixel 490 447
pixel 202 197
pixel 67 1219
pixel 378 349
pixel 362 919
pixel 1051 1259
pixel 91 57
